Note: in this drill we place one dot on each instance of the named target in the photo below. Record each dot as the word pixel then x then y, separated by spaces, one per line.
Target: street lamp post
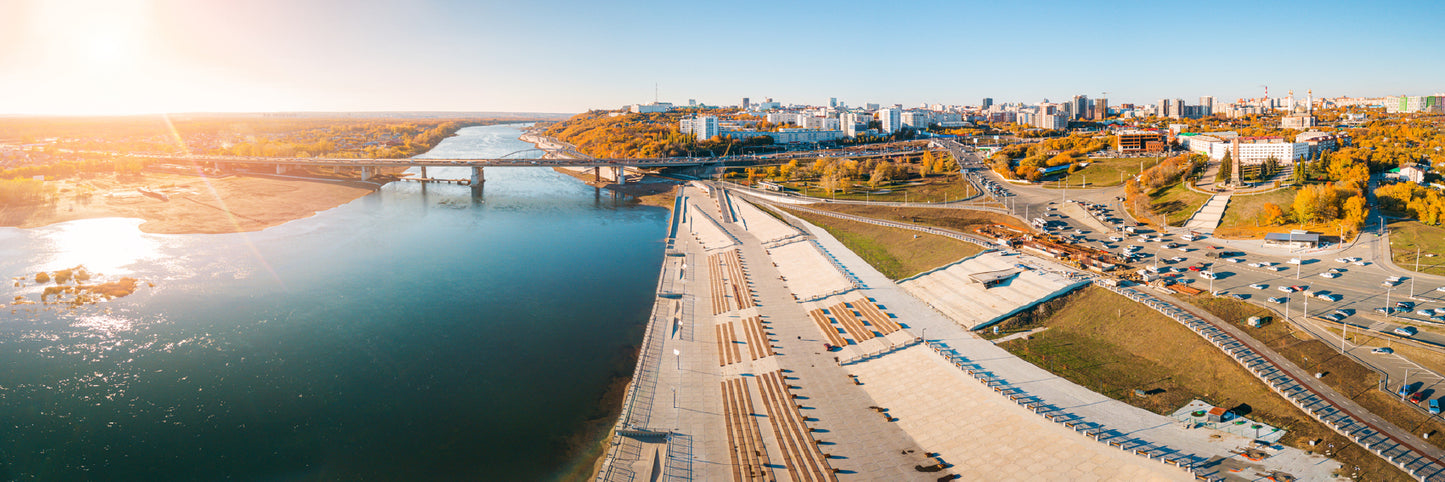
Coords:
pixel 1388 310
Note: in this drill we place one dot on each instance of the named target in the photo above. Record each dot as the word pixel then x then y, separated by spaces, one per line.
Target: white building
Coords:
pixel 1254 150
pixel 702 127
pixel 652 108
pixel 789 136
pixel 849 121
pixel 916 119
pixel 892 120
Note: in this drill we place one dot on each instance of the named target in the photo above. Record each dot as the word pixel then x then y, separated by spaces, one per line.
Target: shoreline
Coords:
pixel 189 204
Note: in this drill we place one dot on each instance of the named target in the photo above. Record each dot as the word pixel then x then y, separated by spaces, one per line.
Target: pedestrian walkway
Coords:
pixel 1215 457
pixel 1208 216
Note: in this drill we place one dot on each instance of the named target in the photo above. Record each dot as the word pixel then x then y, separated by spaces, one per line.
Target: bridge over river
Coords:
pixel 553 157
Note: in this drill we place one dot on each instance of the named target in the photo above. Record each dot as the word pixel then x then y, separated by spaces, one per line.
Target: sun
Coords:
pixel 100 35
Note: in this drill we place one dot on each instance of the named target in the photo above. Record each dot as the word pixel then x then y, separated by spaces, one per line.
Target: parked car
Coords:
pixel 1234 260
pixel 1287 289
pixel 1276 300
pixel 1407 331
pixel 1259 286
pixel 1329 275
pixel 1406 389
pixel 1329 297
pixel 1417 397
pixel 1434 406
pixel 1361 263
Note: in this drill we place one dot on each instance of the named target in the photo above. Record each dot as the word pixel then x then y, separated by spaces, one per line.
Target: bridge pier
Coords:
pixel 423 172
pixel 365 173
pixel 596 174
pixel 620 174
pixel 478 177
pixel 280 169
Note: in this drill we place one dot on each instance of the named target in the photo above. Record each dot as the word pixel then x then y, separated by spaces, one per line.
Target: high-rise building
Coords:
pixel 1207 103
pixel 1163 108
pixel 872 107
pixel 987 102
pixel 704 126
pixel 745 103
pixel 1101 109
pixel 832 102
pixel 892 119
pixel 1081 106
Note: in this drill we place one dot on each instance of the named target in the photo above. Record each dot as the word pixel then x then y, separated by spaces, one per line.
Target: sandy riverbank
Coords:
pixel 195 205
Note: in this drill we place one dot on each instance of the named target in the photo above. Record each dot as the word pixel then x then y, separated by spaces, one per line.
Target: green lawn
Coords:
pixel 932 189
pixel 1341 373
pixel 897 253
pixel 1244 209
pixel 1405 236
pixel 1113 346
pixel 1177 203
pixel 1105 172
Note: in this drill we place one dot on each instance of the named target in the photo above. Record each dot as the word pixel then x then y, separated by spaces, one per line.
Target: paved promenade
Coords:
pixel 890 407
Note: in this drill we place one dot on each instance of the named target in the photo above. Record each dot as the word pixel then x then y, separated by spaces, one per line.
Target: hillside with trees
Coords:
pixel 1044 154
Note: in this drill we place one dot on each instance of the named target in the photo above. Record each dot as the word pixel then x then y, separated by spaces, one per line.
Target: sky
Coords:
pixel 146 56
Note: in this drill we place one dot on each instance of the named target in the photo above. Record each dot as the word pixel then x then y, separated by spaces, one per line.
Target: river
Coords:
pixel 415 334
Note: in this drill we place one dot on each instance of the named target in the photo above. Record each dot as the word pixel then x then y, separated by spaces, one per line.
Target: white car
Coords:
pixel 1329 275
pixel 1208 275
pixel 1234 260
pixel 1442 288
pixel 1261 265
pixel 1275 268
pixel 1406 331
pixel 1259 286
pixel 1295 261
pixel 1360 263
pixel 1287 289
pixel 1342 260
pixel 1265 264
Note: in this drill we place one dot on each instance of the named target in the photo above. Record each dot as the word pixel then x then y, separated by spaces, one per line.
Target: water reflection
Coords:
pixel 110 246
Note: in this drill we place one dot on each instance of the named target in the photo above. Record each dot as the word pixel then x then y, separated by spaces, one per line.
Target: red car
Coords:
pixel 1195 268
pixel 1417 397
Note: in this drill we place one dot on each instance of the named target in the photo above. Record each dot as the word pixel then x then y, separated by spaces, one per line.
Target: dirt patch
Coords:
pixel 190 204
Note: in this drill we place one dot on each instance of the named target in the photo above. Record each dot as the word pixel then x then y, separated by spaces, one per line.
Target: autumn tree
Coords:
pixel 1270 214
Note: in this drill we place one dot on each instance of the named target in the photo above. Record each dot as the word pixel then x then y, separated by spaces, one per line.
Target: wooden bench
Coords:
pixel 850 322
pixel 758 344
pixel 727 347
pixel 748 454
pixel 826 327
pixel 877 317
pixel 805 461
pixel 715 280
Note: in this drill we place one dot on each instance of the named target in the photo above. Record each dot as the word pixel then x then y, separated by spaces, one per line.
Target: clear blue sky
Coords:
pixel 110 56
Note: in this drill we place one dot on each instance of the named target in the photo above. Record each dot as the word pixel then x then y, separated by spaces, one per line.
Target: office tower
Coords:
pixel 1101 109
pixel 987 102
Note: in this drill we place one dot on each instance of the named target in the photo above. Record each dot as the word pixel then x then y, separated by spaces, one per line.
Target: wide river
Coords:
pixel 408 335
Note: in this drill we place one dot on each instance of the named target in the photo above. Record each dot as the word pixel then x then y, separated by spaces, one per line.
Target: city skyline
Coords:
pixel 141 56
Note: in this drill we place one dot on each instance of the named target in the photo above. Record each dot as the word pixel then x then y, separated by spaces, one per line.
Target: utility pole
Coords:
pixel 1417 270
